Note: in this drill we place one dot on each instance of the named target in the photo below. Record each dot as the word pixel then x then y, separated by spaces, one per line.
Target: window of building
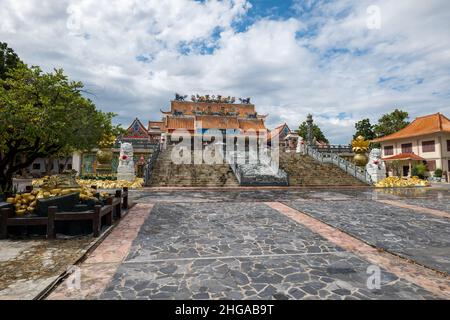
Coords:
pixel 431 165
pixel 407 148
pixel 448 145
pixel 36 166
pixel 389 150
pixel 428 146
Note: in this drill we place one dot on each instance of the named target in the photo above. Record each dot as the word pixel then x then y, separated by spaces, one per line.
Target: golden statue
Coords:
pixel 360 146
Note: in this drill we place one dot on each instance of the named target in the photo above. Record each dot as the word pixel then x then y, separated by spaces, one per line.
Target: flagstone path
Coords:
pixel 271 244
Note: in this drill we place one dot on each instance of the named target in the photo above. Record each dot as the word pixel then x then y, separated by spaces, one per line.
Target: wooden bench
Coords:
pixel 7 219
pixel 95 215
pixel 112 209
pixel 119 202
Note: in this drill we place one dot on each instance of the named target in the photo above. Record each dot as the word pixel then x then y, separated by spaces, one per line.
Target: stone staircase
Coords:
pixel 167 174
pixel 303 170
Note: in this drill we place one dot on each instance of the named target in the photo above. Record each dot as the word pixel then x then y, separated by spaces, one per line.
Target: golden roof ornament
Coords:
pixel 360 145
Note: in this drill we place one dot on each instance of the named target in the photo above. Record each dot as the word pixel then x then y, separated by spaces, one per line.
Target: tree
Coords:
pixel 391 122
pixel 44 114
pixel 316 131
pixel 8 60
pixel 365 129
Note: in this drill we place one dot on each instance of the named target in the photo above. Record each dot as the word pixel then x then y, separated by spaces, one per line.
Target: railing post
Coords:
pixel 96 221
pixel 4 215
pixel 125 198
pixel 51 215
pixel 118 207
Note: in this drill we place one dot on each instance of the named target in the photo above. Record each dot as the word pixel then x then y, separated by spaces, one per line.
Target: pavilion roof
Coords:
pixel 421 126
pixel 404 156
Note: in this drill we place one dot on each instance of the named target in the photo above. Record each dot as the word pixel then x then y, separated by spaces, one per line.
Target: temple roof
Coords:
pixel 214 122
pixel 252 124
pixel 217 122
pixel 179 123
pixel 421 126
pixel 191 108
pixel 136 130
pixel 277 131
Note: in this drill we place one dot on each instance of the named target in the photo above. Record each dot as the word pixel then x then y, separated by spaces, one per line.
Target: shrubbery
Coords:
pixel 98 177
pixel 419 170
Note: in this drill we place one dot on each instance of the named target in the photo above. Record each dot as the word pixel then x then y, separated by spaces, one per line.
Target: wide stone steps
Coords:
pixel 305 171
pixel 168 174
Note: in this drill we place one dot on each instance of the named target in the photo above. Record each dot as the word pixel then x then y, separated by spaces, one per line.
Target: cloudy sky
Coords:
pixel 335 59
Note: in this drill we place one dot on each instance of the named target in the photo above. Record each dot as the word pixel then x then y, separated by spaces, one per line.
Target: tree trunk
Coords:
pixel 6 182
pixel 48 166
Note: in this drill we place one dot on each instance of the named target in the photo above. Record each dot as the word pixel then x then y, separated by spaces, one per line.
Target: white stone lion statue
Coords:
pixel 376 166
pixel 125 170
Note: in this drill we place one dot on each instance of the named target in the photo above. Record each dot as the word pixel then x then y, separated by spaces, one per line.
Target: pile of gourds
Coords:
pixel 27 202
pixel 397 182
pixel 112 184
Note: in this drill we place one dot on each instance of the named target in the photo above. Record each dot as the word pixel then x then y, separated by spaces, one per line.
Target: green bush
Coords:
pixel 438 173
pixel 419 170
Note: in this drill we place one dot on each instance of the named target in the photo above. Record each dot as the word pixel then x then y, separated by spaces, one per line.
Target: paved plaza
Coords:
pixel 274 244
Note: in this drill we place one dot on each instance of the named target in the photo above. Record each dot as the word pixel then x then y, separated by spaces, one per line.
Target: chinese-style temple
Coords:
pixel 211 115
pixel 202 115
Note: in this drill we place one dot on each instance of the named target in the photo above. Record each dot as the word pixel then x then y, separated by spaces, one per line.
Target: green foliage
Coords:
pixel 364 128
pixel 8 60
pixel 98 177
pixel 419 170
pixel 44 115
pixel 317 132
pixel 390 123
pixel 438 173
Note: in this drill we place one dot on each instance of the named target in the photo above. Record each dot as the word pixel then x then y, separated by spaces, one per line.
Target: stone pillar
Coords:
pixel 76 162
pixel 309 136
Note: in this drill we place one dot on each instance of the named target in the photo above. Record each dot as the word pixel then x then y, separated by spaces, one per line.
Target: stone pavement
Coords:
pixel 272 244
pixel 28 267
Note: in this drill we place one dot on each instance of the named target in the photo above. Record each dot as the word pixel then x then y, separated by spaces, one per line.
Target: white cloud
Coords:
pixel 338 70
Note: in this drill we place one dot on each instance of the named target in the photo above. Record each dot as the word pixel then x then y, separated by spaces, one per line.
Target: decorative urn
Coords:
pixel 104 156
pixel 360 146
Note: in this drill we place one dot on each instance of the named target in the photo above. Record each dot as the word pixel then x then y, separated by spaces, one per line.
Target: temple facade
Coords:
pixel 211 115
pixel 202 115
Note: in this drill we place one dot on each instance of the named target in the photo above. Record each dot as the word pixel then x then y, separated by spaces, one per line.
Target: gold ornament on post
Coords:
pixel 360 146
pixel 104 155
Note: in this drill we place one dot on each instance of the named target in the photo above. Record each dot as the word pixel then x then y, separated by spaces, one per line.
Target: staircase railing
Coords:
pixel 333 148
pixel 237 162
pixel 150 164
pixel 333 158
pixel 230 159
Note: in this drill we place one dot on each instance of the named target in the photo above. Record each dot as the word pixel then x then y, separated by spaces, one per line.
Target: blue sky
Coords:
pixel 292 57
